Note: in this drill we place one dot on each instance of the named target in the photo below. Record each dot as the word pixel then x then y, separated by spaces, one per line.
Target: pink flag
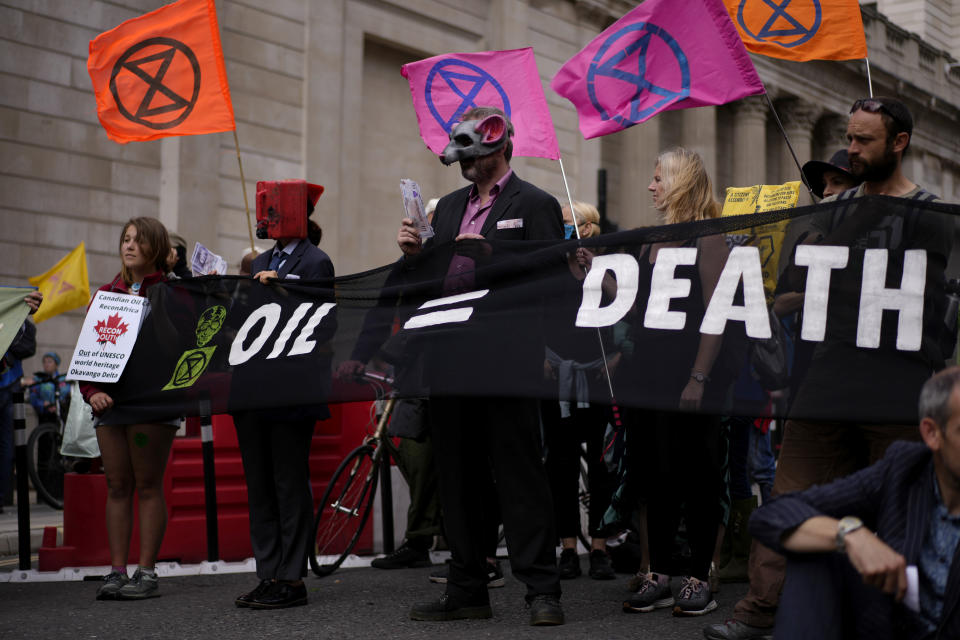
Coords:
pixel 657 57
pixel 444 87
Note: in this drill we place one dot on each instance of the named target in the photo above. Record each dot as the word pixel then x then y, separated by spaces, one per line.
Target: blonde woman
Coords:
pixel 573 356
pixel 676 456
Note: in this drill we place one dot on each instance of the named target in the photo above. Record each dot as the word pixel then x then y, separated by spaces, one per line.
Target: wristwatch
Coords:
pixel 846 526
pixel 699 376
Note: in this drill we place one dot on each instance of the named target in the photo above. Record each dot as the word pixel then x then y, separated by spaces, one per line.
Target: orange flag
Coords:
pixel 162 74
pixel 800 29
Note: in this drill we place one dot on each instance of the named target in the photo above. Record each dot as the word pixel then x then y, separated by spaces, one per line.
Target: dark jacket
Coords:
pixel 893 497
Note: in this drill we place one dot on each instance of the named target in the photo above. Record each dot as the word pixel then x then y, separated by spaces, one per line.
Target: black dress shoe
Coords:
pixel 280 595
pixel 247 598
pixel 545 610
pixel 446 608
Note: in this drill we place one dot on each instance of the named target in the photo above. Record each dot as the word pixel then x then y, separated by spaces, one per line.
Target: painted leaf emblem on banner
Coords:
pixel 111 330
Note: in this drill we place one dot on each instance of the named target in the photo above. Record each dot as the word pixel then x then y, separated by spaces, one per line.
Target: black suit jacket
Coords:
pixel 306 262
pixel 538 210
pixel 893 497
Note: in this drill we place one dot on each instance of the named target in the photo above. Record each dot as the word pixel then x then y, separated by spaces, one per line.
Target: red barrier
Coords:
pixel 84 527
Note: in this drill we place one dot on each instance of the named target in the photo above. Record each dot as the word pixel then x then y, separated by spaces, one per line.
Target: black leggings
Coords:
pixel 678 463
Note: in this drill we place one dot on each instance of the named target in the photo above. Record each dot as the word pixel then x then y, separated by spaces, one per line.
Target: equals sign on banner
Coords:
pixel 445 316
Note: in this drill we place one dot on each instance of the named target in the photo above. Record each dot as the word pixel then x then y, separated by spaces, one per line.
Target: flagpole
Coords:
pixel 869 79
pixel 789 146
pixel 243 187
pixel 576 228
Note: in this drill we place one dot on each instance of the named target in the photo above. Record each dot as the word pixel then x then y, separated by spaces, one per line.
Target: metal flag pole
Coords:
pixel 243 187
pixel 869 79
pixel 789 146
pixel 603 351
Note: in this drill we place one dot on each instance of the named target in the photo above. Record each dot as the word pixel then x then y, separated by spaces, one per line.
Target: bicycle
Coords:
pixel 348 499
pixel 45 464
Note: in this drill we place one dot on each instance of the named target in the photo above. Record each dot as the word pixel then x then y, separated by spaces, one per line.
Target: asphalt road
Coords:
pixel 352 603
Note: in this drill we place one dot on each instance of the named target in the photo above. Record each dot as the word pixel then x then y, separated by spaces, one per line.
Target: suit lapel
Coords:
pixel 503 204
pixel 293 260
pixel 454 215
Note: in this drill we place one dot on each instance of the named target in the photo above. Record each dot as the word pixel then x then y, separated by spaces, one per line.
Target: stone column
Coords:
pixel 798 118
pixel 507 29
pixel 699 133
pixel 749 142
pixel 639 148
pixel 190 189
pixel 324 115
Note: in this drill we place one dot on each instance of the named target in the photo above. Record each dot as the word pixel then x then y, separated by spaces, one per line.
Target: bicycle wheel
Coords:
pixel 45 464
pixel 344 510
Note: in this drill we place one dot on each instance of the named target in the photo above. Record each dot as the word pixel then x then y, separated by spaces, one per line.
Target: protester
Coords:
pixel 574 365
pixel 23 346
pixel 177 268
pixel 678 366
pixel 134 455
pixel 275 448
pixel 817 452
pixel 43 390
pixel 472 436
pixel 830 178
pixel 903 511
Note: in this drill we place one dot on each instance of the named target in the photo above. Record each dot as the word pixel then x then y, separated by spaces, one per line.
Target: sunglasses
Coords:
pixel 871 105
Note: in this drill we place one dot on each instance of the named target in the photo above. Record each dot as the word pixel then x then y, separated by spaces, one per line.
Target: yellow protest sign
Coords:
pixel 768 238
pixel 65 286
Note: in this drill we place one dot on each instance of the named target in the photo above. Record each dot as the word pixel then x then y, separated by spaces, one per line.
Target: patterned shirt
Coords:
pixel 935 558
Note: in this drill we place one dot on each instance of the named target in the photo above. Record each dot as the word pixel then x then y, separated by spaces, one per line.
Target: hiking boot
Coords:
pixel 494 575
pixel 694 598
pixel 112 583
pixel 601 568
pixel 653 593
pixel 141 586
pixel 735 630
pixel 405 557
pixel 569 564
pixel 545 611
pixel 446 608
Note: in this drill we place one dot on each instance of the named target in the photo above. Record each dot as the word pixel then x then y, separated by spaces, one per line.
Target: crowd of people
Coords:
pixel 685 474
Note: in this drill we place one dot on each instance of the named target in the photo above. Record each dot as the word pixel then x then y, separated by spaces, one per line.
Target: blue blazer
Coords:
pixel 893 497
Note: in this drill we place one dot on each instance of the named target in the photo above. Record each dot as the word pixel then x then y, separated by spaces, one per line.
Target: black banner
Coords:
pixel 842 309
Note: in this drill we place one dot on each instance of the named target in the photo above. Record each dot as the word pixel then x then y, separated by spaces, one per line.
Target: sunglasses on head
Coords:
pixel 872 105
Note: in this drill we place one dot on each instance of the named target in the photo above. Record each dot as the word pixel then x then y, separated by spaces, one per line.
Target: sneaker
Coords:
pixel 545 611
pixel 634 583
pixel 446 608
pixel 694 598
pixel 112 583
pixel 141 586
pixel 405 557
pixel 735 630
pixel 601 567
pixel 654 593
pixel 494 575
pixel 569 564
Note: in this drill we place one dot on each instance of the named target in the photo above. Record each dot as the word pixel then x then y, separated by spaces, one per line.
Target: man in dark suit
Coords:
pixel 898 517
pixel 474 437
pixel 275 447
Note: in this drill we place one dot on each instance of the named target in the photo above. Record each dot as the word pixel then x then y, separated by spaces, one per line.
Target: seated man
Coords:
pixel 903 511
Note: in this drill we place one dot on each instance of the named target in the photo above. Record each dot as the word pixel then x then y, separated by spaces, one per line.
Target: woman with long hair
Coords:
pixel 134 455
pixel 675 461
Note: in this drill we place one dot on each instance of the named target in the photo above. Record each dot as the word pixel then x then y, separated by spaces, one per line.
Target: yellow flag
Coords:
pixel 768 237
pixel 65 286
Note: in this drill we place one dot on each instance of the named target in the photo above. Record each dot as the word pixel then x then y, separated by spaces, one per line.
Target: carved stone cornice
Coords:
pixel 796 114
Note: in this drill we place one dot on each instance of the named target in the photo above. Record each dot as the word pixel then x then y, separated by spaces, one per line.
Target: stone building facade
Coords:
pixel 318 94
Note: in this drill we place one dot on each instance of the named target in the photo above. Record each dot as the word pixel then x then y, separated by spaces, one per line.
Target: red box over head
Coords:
pixel 282 207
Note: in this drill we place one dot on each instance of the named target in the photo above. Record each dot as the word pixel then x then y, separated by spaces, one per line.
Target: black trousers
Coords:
pixel 679 461
pixel 563 437
pixel 476 436
pixel 276 464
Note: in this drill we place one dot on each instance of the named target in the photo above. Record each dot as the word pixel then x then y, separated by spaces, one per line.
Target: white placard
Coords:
pixel 205 262
pixel 107 338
